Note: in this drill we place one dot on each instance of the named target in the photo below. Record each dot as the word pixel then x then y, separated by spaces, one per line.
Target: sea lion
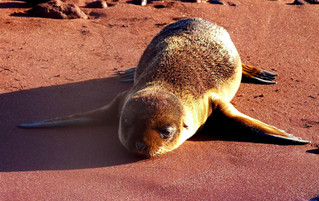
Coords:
pixel 190 71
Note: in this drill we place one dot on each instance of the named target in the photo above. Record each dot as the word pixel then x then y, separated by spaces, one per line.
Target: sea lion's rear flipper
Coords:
pixel 127 75
pixel 257 75
pixel 228 111
pixel 250 74
pixel 106 114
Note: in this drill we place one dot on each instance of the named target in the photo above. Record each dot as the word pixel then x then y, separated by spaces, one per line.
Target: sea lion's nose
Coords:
pixel 140 146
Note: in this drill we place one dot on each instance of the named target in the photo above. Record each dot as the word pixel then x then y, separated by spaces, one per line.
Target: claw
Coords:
pixel 127 75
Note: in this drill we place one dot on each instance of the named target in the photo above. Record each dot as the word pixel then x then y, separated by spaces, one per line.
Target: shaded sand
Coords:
pixel 55 67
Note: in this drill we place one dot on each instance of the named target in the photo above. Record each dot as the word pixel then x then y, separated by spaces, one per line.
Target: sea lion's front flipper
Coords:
pixel 228 111
pixel 105 114
pixel 257 75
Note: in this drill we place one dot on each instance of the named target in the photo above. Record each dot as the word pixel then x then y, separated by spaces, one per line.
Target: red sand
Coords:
pixel 53 67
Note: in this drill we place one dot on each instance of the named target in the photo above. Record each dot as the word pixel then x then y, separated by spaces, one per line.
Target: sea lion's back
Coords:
pixel 192 53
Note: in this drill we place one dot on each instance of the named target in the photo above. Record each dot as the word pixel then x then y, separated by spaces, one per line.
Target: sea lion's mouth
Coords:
pixel 150 154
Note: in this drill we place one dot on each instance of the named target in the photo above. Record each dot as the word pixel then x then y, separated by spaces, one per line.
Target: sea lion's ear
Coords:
pixel 185 125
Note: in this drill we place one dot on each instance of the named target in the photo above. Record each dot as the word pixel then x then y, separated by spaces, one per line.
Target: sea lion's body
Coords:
pixel 190 70
pixel 173 63
pixel 191 58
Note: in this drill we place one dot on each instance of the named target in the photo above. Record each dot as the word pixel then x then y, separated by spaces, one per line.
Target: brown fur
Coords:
pixel 186 57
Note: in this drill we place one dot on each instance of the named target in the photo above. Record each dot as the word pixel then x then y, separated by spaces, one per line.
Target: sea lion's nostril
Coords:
pixel 140 146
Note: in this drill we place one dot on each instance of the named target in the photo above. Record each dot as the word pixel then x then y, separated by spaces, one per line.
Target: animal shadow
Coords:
pixel 13 5
pixel 313 151
pixel 59 148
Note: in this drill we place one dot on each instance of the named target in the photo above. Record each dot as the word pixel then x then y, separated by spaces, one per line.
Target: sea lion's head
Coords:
pixel 151 123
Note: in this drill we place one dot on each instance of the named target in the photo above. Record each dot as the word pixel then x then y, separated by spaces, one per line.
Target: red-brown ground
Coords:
pixel 53 67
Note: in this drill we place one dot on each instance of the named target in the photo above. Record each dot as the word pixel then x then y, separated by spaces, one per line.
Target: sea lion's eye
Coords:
pixel 166 132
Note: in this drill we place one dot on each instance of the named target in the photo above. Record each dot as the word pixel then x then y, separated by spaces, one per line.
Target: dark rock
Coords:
pixel 97 4
pixel 57 10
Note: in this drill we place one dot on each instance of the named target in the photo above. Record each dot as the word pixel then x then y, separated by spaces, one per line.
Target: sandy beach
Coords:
pixel 54 67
